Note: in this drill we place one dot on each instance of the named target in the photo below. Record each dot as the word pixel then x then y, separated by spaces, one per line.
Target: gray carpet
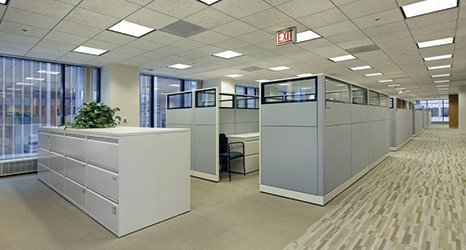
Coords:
pixel 414 200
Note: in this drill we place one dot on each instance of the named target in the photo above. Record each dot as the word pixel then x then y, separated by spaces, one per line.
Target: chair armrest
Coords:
pixel 232 143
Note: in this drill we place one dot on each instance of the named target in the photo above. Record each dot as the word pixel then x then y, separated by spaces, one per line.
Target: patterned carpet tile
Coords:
pixel 414 200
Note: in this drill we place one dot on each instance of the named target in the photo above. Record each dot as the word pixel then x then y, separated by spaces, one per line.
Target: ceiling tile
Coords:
pixel 77 29
pixel 240 9
pixel 150 18
pixel 209 37
pixel 115 8
pixel 257 37
pixel 235 28
pixel 65 37
pixel 380 18
pixel 267 18
pixel 101 44
pixel 18 29
pixel 172 7
pixel 367 7
pixel 161 37
pixel 29 18
pixel 188 44
pixel 337 28
pixel 230 44
pixel 45 7
pixel 144 45
pixel 90 18
pixel 324 18
pixel 209 18
pixel 301 8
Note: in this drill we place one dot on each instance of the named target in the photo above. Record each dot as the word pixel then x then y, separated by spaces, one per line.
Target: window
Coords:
pixel 245 90
pixel 293 90
pixel 153 95
pixel 439 109
pixel 33 94
pixel 358 95
pixel 227 101
pixel 383 100
pixel 205 98
pixel 336 91
pixel 180 100
pixel 374 99
pixel 247 102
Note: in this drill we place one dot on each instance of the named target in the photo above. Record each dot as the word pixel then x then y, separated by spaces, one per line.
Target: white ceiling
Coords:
pixel 55 27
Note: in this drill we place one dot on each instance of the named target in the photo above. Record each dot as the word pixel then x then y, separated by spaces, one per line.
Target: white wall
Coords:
pixel 224 85
pixel 462 109
pixel 120 88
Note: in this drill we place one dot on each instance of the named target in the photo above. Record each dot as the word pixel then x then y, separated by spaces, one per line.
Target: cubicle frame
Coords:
pixel 262 97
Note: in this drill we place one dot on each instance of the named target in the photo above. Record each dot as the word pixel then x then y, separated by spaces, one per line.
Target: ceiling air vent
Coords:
pixel 251 69
pixel 363 49
pixel 183 29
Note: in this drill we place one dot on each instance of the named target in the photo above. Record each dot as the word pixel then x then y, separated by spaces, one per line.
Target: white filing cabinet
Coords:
pixel 251 148
pixel 125 178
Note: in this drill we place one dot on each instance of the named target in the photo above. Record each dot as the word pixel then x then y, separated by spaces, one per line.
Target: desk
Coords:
pixel 251 148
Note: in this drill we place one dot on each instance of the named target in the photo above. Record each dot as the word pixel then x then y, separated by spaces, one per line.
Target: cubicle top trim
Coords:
pixel 183 104
pixel 214 101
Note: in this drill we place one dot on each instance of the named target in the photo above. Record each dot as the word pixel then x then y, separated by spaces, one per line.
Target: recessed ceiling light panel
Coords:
pixel 130 29
pixel 373 74
pixel 441 81
pixel 4 2
pixel 180 66
pixel 279 68
pixel 209 2
pixel 261 80
pixel 306 36
pixel 393 85
pixel 441 75
pixel 25 83
pixel 35 79
pixel 90 51
pixel 438 42
pixel 361 68
pixel 439 67
pixel 228 54
pixel 305 75
pixel 433 58
pixel 342 58
pixel 427 6
pixel 48 72
pixel 383 81
pixel 234 75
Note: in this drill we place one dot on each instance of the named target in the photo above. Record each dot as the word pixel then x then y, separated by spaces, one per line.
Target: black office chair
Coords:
pixel 226 154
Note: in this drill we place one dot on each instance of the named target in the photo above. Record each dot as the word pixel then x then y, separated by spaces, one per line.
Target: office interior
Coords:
pixel 265 124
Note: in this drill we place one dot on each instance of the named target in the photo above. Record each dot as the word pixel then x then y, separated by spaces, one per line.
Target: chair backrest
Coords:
pixel 223 142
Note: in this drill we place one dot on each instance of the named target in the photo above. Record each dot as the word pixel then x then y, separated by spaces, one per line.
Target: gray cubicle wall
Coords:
pixel 236 120
pixel 202 118
pixel 312 150
pixel 418 121
pixel 401 126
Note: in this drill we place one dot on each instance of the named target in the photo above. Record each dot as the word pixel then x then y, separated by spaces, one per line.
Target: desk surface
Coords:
pixel 245 136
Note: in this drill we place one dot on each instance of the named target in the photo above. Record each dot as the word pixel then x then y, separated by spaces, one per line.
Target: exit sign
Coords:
pixel 286 36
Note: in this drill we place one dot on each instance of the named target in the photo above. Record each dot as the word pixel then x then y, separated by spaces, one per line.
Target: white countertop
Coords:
pixel 245 136
pixel 115 132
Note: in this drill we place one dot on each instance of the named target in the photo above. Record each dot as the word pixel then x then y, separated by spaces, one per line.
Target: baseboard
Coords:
pixel 319 200
pixel 316 199
pixel 398 147
pixel 205 176
pixel 419 132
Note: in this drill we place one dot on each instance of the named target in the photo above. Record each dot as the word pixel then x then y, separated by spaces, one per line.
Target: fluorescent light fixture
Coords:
pixel 394 85
pixel 174 85
pixel 383 81
pixel 342 58
pixel 25 83
pixel 305 75
pixel 3 2
pixel 442 86
pixel 48 72
pixel 90 51
pixel 441 81
pixel 261 80
pixel 427 6
pixel 306 36
pixel 400 88
pixel 130 29
pixel 442 75
pixel 373 74
pixel 14 89
pixel 361 68
pixel 34 79
pixel 439 67
pixel 438 42
pixel 179 66
pixel 279 68
pixel 234 75
pixel 209 2
pixel 283 84
pixel 433 58
pixel 228 54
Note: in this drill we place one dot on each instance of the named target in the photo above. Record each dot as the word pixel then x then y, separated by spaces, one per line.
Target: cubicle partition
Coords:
pixel 319 135
pixel 401 123
pixel 239 114
pixel 418 121
pixel 199 111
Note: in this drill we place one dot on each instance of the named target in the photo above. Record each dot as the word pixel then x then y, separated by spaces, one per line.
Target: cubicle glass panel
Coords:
pixel 336 91
pixel 383 100
pixel 400 104
pixel 227 101
pixel 293 90
pixel 180 100
pixel 247 102
pixel 205 98
pixel 374 98
pixel 144 100
pixel 358 95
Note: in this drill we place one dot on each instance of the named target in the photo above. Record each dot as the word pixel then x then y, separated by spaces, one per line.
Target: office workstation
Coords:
pixel 319 135
pixel 401 122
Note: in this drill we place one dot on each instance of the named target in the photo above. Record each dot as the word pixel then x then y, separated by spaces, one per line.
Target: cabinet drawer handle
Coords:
pixel 113 210
pixel 84 165
pixel 114 178
pixel 83 190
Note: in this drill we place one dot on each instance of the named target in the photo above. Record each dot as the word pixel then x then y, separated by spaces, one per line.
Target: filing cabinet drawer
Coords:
pixel 43 157
pixel 251 147
pixel 103 153
pixel 43 141
pixel 42 173
pixel 57 181
pixel 75 170
pixel 104 210
pixel 75 147
pixel 57 163
pixel 102 181
pixel 57 143
pixel 75 192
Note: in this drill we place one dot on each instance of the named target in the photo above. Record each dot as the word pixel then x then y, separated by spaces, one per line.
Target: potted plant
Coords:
pixel 95 115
